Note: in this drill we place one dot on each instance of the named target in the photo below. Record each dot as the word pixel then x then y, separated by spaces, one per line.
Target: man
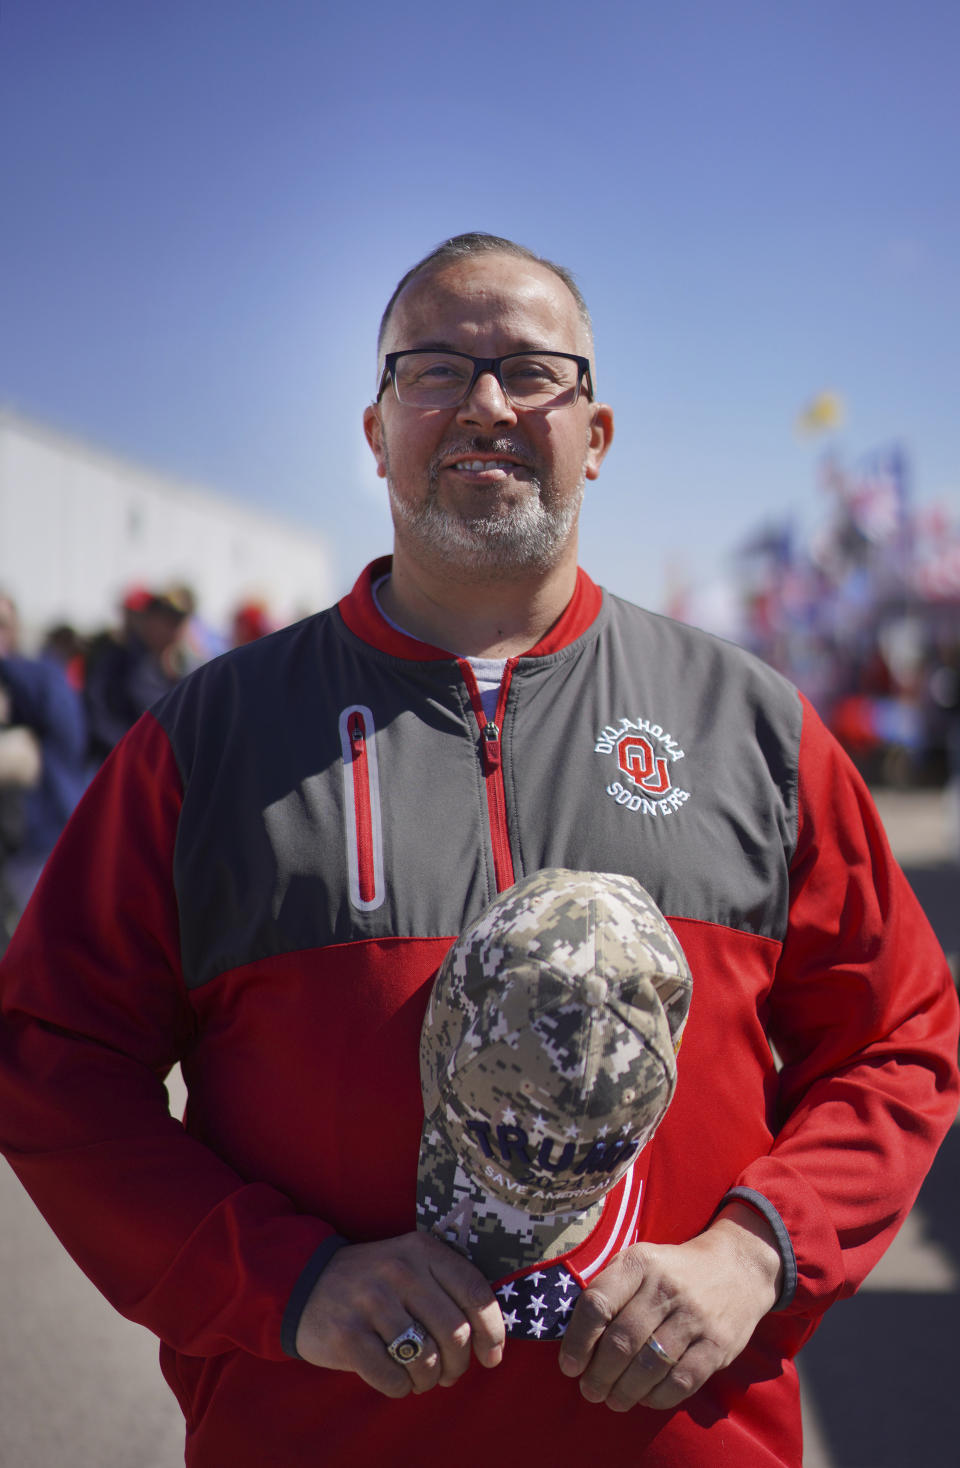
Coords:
pixel 129 669
pixel 267 873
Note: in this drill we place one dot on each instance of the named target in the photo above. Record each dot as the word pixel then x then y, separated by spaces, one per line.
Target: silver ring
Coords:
pixel 654 1345
pixel 408 1345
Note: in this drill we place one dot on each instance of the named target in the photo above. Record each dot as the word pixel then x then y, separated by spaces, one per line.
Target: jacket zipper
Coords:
pixel 493 772
pixel 364 840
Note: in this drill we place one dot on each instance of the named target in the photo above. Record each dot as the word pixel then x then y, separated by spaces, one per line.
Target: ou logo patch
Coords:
pixel 639 762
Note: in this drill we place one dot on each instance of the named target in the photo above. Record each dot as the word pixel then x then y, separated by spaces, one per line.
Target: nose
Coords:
pixel 486 403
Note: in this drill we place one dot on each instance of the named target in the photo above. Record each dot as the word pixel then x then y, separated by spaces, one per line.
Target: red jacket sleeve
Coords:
pixel 864 1018
pixel 93 1014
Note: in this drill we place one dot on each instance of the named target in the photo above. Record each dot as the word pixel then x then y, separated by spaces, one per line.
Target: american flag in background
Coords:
pixel 874 492
pixel 537 1306
pixel 877 495
pixel 936 571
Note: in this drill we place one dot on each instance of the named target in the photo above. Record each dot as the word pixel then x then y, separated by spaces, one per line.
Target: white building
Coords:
pixel 79 526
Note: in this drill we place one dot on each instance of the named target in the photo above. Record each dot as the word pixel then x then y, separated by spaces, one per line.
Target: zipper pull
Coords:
pixel 491 746
pixel 357 735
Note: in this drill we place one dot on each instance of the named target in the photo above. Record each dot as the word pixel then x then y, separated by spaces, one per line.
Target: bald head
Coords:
pixel 463 247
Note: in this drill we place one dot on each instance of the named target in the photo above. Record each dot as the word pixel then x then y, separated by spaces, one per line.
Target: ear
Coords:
pixel 600 438
pixel 373 428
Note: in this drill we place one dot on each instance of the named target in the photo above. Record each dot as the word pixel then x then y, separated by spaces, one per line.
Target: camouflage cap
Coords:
pixel 547 1062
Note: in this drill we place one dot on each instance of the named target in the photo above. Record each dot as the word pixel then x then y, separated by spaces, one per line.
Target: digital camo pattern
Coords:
pixel 499 1237
pixel 547 1061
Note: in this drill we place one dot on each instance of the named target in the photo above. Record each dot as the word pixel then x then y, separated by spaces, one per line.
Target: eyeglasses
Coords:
pixel 424 378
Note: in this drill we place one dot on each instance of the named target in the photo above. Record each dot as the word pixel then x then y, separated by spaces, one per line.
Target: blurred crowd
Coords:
pixel 864 616
pixel 63 710
pixel 883 673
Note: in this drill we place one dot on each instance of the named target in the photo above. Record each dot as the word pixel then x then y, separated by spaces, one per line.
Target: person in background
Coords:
pixel 128 671
pixel 64 645
pixel 250 622
pixel 38 697
pixel 199 640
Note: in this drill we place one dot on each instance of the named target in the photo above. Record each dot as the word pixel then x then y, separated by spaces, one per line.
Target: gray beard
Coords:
pixel 529 535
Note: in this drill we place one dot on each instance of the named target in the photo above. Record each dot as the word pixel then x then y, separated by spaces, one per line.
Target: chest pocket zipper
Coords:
pixel 362 819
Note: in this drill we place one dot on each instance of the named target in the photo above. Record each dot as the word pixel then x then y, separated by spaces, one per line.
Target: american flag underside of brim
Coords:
pixel 537 1304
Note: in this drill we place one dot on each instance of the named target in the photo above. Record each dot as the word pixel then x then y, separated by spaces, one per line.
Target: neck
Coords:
pixel 478 617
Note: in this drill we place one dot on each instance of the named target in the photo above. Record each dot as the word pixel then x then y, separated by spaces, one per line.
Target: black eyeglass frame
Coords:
pixel 485 364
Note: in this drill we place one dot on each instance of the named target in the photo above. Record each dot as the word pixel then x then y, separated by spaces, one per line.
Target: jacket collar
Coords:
pixel 361 614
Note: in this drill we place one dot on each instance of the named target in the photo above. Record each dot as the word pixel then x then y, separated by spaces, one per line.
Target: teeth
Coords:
pixel 477 466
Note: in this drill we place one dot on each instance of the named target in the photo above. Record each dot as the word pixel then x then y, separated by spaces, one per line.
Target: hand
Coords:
pixel 700 1300
pixel 369 1293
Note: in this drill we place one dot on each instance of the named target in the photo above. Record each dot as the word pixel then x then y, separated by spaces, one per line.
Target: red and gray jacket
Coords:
pixel 261 884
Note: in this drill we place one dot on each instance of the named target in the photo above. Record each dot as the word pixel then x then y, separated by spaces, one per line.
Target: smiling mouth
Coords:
pixel 485 461
pixel 485 466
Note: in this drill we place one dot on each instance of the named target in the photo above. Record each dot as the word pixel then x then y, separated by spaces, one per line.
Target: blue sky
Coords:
pixel 205 205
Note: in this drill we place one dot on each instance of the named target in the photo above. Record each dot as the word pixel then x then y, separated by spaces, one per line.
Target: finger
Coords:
pixel 480 1319
pixel 599 1306
pixel 368 1358
pixel 414 1288
pixel 424 1364
pixel 448 1327
pixel 648 1372
pixel 389 1321
pixel 695 1367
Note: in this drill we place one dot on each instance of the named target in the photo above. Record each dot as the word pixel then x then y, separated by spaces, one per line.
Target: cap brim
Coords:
pixel 499 1238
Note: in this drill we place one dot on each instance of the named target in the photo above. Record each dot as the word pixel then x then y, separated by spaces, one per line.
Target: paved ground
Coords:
pixel 78 1385
pixel 880 1375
